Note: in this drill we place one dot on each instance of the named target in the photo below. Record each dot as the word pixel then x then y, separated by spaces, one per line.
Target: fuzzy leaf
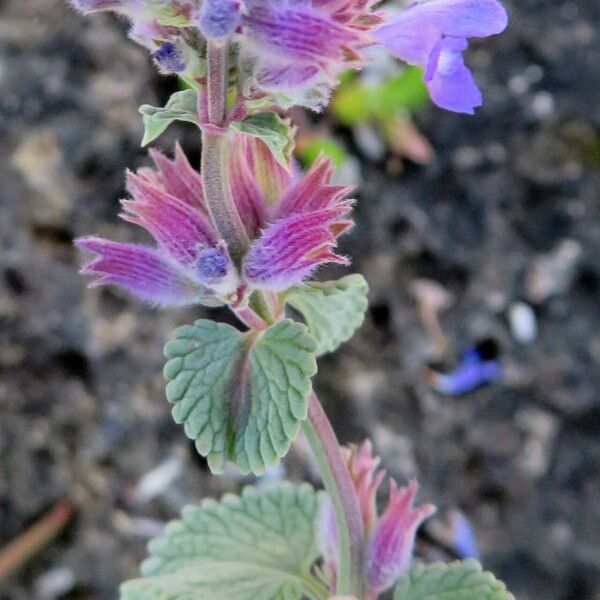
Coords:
pixel 182 106
pixel 274 131
pixel 333 310
pixel 257 546
pixel 460 580
pixel 240 396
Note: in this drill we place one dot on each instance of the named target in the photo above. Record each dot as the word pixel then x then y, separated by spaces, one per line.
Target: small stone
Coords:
pixel 54 583
pixel 542 105
pixel 523 322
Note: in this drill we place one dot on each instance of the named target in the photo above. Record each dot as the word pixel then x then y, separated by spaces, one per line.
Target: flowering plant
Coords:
pixel 249 231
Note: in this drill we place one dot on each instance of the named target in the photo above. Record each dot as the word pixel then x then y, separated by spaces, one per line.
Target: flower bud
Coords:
pixel 212 264
pixel 218 18
pixel 366 478
pixel 391 545
pixel 169 59
pixel 215 270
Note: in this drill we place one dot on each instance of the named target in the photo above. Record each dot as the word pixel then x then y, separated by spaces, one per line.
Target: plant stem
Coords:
pixel 325 446
pixel 250 318
pixel 216 81
pixel 227 222
pixel 214 169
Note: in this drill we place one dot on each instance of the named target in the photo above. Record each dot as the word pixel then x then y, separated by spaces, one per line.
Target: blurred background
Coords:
pixel 476 231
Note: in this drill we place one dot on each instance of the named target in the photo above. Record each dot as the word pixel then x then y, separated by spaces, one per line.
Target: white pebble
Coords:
pixel 523 322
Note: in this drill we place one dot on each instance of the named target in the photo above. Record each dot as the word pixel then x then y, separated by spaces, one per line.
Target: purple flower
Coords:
pixel 299 48
pixel 168 202
pixel 479 366
pixel 169 59
pixel 294 224
pixel 219 18
pixel 303 228
pixel 433 35
pixel 142 270
pixel 391 544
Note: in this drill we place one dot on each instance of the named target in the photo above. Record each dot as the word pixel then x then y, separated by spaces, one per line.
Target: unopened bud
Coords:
pixel 169 59
pixel 218 18
pixel 391 545
pixel 212 264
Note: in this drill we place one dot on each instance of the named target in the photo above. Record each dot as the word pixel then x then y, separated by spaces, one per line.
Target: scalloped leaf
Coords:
pixel 460 580
pixel 333 310
pixel 257 546
pixel 274 131
pixel 182 106
pixel 240 396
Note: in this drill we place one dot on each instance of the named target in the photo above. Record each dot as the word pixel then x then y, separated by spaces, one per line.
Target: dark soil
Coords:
pixel 508 211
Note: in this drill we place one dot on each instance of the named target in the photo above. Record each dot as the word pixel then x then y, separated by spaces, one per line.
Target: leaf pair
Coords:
pixel 261 546
pixel 269 127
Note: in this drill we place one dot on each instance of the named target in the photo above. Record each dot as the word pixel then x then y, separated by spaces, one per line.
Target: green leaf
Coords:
pixel 460 580
pixel 182 106
pixel 333 310
pixel 257 546
pixel 240 396
pixel 274 131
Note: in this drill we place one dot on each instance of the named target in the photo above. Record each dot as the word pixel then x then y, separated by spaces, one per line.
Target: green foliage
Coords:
pixel 460 580
pixel 182 106
pixel 257 546
pixel 333 310
pixel 355 103
pixel 240 396
pixel 274 131
pixel 327 146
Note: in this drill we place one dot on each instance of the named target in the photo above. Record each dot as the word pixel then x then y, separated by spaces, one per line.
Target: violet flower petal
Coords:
pixel 473 372
pixel 449 82
pixel 432 34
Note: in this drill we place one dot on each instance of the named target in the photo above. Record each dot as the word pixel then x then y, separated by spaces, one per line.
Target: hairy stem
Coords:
pixel 216 81
pixel 221 206
pixel 325 446
pixel 250 318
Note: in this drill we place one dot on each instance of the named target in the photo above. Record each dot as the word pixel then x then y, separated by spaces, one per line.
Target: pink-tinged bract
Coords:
pixel 391 544
pixel 294 223
pixel 300 48
pixel 363 467
pixel 189 264
pixel 289 250
pixel 433 34
pixel 141 270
